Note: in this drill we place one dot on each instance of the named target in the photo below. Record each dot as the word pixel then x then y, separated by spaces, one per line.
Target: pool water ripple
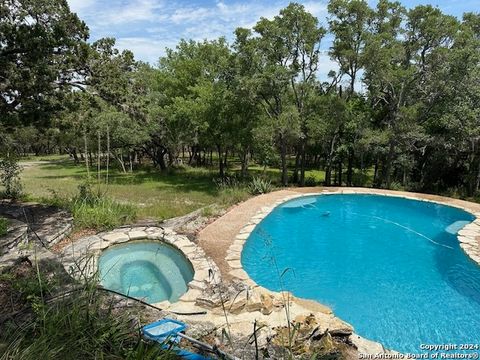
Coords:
pixel 390 266
pixel 148 270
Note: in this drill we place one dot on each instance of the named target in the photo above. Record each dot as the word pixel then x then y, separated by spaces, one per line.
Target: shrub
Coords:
pixel 226 182
pixel 103 213
pixel 231 196
pixel 310 181
pixel 10 178
pixel 260 185
pixel 80 325
pixel 94 210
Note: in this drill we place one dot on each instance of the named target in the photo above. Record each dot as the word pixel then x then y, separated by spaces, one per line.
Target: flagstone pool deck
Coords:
pixel 218 237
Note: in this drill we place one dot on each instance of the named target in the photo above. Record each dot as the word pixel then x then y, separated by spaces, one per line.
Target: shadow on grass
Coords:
pixel 182 180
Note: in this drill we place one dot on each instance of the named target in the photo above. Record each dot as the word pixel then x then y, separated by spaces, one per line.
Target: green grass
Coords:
pixel 3 226
pixel 80 325
pixel 53 157
pixel 155 194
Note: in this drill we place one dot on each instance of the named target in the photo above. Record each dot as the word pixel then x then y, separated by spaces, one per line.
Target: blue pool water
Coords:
pixel 148 270
pixel 391 267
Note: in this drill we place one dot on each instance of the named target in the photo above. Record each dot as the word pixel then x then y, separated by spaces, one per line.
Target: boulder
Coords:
pixel 267 304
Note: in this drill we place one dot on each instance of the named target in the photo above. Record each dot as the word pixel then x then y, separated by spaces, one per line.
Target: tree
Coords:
pixel 402 63
pixel 349 23
pixel 288 52
pixel 43 51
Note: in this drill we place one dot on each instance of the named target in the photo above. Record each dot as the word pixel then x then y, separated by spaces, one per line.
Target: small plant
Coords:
pixel 77 324
pixel 260 186
pixel 86 194
pixel 310 181
pixel 104 213
pixel 226 182
pixel 3 226
pixel 93 210
pixel 10 178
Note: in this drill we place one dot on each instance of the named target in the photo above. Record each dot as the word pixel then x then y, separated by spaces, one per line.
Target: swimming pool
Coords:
pixel 390 266
pixel 148 270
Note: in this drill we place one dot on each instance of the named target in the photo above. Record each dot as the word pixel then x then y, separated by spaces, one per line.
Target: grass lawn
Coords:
pixel 156 195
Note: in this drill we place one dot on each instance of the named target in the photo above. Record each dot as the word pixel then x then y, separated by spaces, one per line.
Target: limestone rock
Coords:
pixel 237 305
pixel 116 237
pixel 254 302
pixel 267 304
pixel 191 295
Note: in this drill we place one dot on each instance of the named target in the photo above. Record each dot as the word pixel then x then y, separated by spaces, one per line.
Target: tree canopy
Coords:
pixel 401 109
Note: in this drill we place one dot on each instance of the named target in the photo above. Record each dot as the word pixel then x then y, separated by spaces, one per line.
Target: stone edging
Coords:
pixel 80 258
pixel 17 233
pixel 467 236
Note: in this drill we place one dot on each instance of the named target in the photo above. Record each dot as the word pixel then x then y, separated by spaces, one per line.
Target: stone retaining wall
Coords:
pixel 81 257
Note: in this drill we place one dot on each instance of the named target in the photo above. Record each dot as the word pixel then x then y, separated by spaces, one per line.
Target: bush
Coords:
pixel 81 325
pixel 3 226
pixel 94 210
pixel 231 196
pixel 10 178
pixel 310 181
pixel 226 182
pixel 260 185
pixel 103 213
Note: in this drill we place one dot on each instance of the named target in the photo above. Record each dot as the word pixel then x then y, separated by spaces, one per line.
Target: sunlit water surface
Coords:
pixel 148 270
pixel 390 266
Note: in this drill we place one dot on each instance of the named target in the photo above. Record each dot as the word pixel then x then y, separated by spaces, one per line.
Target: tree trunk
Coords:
pixel 191 155
pixel 85 144
pixel 350 168
pixel 99 150
pixel 221 164
pixel 297 168
pixel 388 168
pixel 340 170
pixel 119 158
pixel 283 157
pixel 73 152
pixel 477 180
pixel 244 163
pixel 328 167
pixel 108 154
pixel 302 162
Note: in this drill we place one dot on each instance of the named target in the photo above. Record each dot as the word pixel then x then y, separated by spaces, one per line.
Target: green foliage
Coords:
pixel 102 214
pixel 94 210
pixel 83 325
pixel 310 181
pixel 3 226
pixel 97 211
pixel 231 196
pixel 260 185
pixel 10 178
pixel 43 52
pixel 414 125
pixel 226 182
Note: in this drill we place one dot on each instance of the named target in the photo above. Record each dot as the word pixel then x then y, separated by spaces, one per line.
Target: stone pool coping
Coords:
pixel 80 259
pixel 468 236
